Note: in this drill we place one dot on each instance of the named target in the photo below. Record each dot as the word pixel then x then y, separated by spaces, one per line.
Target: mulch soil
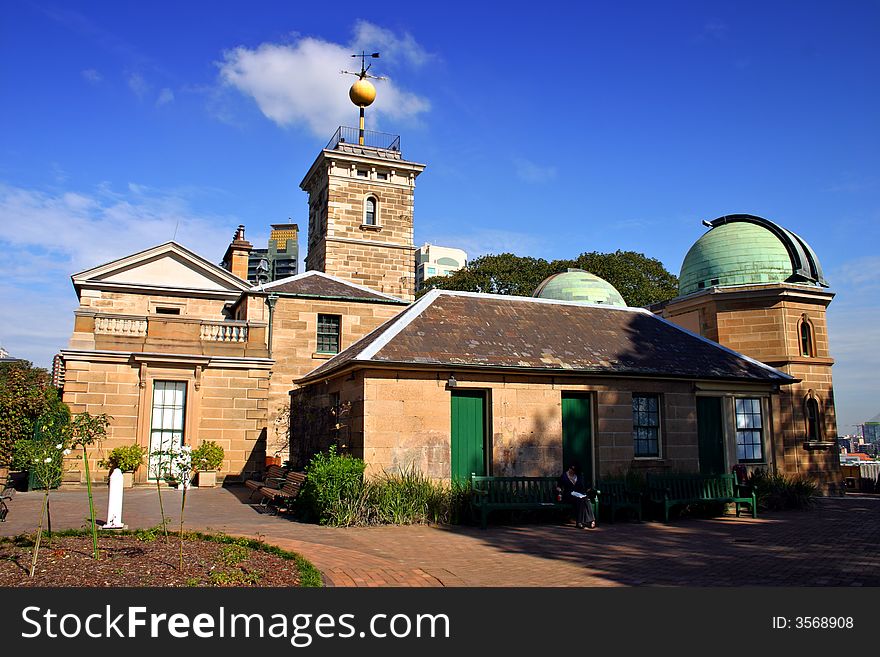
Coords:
pixel 144 560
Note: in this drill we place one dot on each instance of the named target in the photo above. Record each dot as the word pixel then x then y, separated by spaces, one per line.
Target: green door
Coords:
pixel 468 433
pixel 577 434
pixel 710 435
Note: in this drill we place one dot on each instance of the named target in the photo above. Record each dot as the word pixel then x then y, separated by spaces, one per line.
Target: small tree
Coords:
pixel 46 452
pixel 85 430
pixel 179 466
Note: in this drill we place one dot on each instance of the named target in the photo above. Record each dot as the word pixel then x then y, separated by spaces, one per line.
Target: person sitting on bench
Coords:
pixel 573 490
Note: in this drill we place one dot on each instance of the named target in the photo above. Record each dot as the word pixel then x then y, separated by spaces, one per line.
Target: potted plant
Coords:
pixel 128 459
pixel 207 459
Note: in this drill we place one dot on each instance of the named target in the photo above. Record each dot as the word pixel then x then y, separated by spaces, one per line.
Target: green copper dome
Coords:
pixel 744 249
pixel 579 285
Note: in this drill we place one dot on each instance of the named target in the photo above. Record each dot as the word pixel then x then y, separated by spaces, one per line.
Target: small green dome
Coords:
pixel 743 250
pixel 579 285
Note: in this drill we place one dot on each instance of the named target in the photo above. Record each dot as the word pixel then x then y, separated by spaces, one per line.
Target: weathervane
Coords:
pixel 362 92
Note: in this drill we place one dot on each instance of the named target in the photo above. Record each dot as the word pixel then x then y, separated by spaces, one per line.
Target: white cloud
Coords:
pixel 300 83
pixel 393 48
pixel 860 274
pixel 165 96
pixel 55 234
pixel 138 85
pixel 530 172
pixel 92 76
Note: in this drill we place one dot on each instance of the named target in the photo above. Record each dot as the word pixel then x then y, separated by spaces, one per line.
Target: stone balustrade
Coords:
pixel 121 325
pixel 159 333
pixel 223 332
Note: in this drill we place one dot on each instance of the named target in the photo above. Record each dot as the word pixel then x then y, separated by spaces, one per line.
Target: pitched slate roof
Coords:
pixel 320 285
pixel 466 329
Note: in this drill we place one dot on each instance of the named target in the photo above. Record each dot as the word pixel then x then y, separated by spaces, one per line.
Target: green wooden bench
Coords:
pixel 681 489
pixel 617 496
pixel 515 493
pixel 285 495
pixel 273 478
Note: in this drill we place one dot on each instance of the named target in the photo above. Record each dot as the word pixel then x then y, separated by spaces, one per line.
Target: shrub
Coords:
pixel 330 478
pixel 208 456
pixel 776 491
pixel 402 498
pixel 128 458
pixel 26 393
pixel 42 454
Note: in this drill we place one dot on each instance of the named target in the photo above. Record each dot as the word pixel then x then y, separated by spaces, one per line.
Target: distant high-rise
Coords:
pixel 281 256
pixel 432 260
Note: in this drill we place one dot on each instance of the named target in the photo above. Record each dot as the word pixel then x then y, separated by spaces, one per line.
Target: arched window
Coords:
pixel 371 214
pixel 814 431
pixel 808 349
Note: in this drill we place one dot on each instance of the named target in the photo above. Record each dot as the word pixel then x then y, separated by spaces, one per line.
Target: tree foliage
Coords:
pixel 639 279
pixel 26 393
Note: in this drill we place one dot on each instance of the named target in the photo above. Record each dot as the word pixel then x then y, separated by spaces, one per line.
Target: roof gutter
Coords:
pixel 784 379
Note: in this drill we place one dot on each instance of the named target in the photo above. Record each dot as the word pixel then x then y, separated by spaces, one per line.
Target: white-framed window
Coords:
pixel 646 426
pixel 749 430
pixel 371 211
pixel 167 421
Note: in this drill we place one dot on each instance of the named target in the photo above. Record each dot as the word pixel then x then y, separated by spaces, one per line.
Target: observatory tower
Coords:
pixel 361 204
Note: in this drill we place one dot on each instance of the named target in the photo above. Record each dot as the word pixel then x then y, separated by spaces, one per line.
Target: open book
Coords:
pixel 574 493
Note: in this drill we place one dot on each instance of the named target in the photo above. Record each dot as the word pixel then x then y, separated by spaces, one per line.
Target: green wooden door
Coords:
pixel 710 434
pixel 577 434
pixel 468 433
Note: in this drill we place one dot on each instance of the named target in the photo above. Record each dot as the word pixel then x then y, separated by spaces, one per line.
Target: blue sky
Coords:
pixel 548 130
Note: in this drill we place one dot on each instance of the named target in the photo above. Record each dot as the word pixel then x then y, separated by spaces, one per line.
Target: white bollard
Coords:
pixel 114 505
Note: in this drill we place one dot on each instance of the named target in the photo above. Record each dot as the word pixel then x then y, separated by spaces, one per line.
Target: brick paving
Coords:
pixel 835 544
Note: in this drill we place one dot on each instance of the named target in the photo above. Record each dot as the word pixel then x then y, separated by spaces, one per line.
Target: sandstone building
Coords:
pixel 735 371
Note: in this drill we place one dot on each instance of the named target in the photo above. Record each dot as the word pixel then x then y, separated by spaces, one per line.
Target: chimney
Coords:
pixel 236 258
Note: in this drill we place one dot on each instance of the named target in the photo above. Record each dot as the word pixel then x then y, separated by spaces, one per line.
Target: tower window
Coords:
pixel 363 173
pixel 370 214
pixel 806 338
pixel 813 431
pixel 381 175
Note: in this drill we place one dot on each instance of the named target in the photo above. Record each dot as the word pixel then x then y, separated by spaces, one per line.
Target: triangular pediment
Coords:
pixel 168 266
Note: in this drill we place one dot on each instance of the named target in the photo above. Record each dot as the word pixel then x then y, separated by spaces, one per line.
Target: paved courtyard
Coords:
pixel 833 545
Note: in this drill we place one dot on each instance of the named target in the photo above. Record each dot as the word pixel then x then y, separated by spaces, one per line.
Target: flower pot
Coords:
pixel 127 479
pixel 207 479
pixel 273 460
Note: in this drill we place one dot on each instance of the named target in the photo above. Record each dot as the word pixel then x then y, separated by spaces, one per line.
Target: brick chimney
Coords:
pixel 236 258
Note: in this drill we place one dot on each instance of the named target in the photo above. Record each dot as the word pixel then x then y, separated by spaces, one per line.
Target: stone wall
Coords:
pixel 125 303
pixel 402 420
pixel 764 322
pixel 380 256
pixel 295 345
pixel 226 403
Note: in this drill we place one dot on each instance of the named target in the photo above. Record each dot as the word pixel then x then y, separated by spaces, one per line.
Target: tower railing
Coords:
pixel 372 139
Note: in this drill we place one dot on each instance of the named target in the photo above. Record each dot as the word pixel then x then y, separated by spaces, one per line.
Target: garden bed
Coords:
pixel 144 558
